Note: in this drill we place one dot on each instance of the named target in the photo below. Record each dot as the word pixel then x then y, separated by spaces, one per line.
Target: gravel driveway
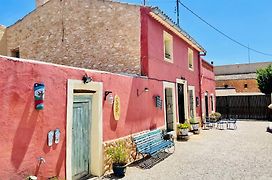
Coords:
pixel 245 153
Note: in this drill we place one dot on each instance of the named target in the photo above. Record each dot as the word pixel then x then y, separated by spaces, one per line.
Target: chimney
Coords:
pixel 40 2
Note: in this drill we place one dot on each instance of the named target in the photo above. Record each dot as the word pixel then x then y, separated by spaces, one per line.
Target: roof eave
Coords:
pixel 157 14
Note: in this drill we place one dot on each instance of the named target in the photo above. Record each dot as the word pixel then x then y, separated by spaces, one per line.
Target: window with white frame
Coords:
pixel 191 59
pixel 168 46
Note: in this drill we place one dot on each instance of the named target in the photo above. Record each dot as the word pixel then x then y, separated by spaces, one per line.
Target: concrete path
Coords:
pixel 245 153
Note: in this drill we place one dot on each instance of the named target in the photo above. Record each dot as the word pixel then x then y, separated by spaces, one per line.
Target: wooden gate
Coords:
pixel 81 136
pixel 245 107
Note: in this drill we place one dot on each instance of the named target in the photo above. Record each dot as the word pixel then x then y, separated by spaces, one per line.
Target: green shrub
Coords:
pixel 264 79
pixel 215 116
pixel 193 121
pixel 118 153
pixel 183 126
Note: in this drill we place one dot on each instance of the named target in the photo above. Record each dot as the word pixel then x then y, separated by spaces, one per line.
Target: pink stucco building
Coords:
pixel 168 89
pixel 208 89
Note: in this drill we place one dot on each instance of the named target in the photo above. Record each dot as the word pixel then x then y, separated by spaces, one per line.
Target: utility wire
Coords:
pixel 222 33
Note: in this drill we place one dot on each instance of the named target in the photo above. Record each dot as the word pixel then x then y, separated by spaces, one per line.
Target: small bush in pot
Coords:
pixel 119 156
pixel 215 116
pixel 194 123
pixel 184 128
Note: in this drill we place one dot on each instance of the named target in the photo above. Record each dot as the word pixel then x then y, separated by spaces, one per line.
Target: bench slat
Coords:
pixel 151 142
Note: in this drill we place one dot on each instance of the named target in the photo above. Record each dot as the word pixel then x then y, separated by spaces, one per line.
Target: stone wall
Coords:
pixel 93 34
pixel 41 2
pixel 3 40
pixel 239 85
pixel 133 156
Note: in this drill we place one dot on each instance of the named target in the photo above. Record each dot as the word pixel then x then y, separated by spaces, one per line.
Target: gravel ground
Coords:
pixel 245 153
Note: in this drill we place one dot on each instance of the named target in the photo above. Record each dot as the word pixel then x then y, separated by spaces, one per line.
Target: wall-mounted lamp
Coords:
pixel 139 93
pixel 109 97
pixel 181 77
pixel 86 79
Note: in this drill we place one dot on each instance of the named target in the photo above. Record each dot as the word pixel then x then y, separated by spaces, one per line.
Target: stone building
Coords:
pixel 111 36
pixel 93 34
pixel 238 94
pixel 241 77
pixel 160 85
pixel 3 40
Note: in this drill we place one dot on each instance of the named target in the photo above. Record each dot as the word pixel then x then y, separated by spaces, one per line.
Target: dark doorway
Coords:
pixel 169 109
pixel 207 105
pixel 181 103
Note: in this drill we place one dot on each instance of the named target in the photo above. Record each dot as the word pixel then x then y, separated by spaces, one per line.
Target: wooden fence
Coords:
pixel 245 107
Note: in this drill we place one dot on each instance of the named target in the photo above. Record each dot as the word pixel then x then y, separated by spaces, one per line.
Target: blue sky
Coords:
pixel 249 22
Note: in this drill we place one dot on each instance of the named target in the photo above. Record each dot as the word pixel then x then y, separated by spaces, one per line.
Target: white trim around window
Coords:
pixel 190 59
pixel 168 47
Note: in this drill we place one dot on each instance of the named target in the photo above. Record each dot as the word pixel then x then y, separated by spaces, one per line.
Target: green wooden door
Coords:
pixel 81 136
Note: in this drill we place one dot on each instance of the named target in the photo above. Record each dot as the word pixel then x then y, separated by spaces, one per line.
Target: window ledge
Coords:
pixel 168 60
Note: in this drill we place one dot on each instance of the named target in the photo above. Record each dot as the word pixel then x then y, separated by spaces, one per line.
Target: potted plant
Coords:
pixel 183 128
pixel 119 156
pixel 194 123
pixel 214 117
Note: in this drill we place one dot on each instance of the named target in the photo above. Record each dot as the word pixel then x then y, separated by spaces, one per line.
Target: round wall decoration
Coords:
pixel 116 107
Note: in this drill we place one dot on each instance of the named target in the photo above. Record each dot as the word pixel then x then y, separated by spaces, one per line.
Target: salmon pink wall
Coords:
pixel 24 130
pixel 138 113
pixel 208 83
pixel 160 69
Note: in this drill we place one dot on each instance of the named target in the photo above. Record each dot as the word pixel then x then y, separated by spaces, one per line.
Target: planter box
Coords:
pixel 182 137
pixel 184 132
pixel 195 126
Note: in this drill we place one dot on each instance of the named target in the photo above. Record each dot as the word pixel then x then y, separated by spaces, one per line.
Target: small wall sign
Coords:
pixel 116 108
pixel 158 102
pixel 50 137
pixel 57 136
pixel 39 90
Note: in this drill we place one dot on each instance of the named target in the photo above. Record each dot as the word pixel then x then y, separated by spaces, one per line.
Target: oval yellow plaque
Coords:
pixel 116 107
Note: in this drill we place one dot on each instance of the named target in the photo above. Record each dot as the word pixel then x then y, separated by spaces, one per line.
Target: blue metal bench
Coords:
pixel 151 143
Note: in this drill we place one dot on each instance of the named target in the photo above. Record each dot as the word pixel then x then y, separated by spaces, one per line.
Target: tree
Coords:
pixel 264 79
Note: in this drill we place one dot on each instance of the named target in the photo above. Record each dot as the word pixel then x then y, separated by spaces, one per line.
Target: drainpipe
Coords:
pixel 200 83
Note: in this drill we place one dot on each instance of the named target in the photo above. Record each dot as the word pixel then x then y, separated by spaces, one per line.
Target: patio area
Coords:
pixel 244 153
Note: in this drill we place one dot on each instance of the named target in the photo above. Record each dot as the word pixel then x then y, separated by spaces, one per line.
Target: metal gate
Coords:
pixel 245 107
